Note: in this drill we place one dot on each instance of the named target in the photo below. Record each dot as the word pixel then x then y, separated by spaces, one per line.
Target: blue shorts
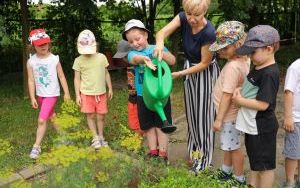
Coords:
pixel 292 143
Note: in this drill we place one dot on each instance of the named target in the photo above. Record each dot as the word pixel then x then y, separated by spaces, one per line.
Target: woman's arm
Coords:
pixel 164 33
pixel 63 81
pixel 206 58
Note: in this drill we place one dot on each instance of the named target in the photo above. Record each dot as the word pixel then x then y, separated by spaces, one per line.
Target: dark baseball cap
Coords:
pixel 122 49
pixel 259 36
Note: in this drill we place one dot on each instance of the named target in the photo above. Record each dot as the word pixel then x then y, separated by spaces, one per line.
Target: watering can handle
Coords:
pixel 160 88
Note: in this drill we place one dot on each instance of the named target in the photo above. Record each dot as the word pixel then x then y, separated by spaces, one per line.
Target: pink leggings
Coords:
pixel 47 105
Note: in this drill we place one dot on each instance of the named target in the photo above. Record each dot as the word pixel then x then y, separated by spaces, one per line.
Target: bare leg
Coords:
pixel 40 132
pixel 56 127
pixel 254 178
pixel 100 124
pixel 152 139
pixel 91 124
pixel 238 162
pixel 298 177
pixel 227 158
pixel 290 169
pixel 266 179
pixel 162 140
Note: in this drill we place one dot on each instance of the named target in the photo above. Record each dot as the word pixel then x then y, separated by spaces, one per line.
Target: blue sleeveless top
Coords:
pixel 192 43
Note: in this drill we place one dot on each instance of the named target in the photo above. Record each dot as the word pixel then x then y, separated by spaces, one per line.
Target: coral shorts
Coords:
pixel 94 104
pixel 133 119
pixel 47 105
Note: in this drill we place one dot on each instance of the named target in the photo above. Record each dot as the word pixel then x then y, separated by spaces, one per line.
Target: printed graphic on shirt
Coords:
pixel 43 75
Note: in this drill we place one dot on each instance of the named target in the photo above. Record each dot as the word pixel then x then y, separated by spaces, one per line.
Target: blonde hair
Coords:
pixel 193 5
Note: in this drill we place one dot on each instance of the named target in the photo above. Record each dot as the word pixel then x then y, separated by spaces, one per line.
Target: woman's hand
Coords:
pixel 158 51
pixel 177 74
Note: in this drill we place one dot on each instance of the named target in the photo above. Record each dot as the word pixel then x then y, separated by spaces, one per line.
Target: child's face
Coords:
pixel 42 49
pixel 261 55
pixel 137 39
pixel 228 52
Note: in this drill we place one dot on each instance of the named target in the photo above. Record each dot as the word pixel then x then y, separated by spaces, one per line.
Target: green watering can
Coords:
pixel 157 86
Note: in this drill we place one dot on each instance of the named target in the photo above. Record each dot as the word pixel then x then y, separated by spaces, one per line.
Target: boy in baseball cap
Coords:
pixel 257 101
pixel 140 56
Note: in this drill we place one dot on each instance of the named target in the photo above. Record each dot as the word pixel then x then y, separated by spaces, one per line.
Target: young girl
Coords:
pixel 44 69
pixel 90 80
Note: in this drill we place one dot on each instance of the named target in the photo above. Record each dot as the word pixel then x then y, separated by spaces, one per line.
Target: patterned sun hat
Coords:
pixel 227 33
pixel 86 43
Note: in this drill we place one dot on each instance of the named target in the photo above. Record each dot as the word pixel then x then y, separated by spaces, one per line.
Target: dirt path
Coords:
pixel 178 150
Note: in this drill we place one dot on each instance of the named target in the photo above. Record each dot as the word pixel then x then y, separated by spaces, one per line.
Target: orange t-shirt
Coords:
pixel 231 77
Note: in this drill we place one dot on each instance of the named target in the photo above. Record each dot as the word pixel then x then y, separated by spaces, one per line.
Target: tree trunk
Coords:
pixel 25 31
pixel 176 36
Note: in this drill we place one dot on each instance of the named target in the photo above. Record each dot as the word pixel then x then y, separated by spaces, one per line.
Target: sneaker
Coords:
pixel 103 143
pixel 96 143
pixel 153 154
pixel 35 152
pixel 236 183
pixel 221 175
pixel 288 185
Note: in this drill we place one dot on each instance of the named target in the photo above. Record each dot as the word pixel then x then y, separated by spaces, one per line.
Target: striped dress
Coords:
pixel 198 87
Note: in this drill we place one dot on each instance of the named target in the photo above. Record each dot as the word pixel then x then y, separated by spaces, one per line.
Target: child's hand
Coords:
pixel 67 97
pixel 148 63
pixel 288 124
pixel 217 125
pixel 110 94
pixel 236 95
pixel 78 100
pixel 34 103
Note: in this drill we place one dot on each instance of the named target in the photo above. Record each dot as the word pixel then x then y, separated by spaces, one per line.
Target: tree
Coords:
pixel 25 31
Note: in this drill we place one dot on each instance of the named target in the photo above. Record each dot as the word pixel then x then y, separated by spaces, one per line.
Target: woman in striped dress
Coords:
pixel 200 73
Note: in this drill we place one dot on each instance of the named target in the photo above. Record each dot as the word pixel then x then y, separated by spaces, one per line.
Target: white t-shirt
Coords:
pixel 292 83
pixel 45 75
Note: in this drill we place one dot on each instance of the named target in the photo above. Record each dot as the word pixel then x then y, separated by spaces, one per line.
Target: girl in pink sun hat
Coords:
pixel 44 70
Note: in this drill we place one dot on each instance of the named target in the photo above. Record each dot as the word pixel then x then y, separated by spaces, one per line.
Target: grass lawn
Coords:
pixel 18 120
